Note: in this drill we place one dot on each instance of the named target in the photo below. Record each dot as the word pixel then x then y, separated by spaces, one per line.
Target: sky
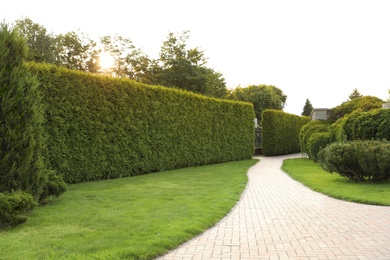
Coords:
pixel 319 50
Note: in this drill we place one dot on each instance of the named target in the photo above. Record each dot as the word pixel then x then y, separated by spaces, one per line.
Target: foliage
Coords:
pixel 71 50
pixel 280 132
pixel 42 46
pixel 374 124
pixel 22 140
pixel 364 103
pixel 176 67
pixel 129 218
pixel 261 96
pixel 77 51
pixel 312 127
pixel 13 208
pixel 307 109
pixel 313 176
pixel 102 127
pixel 355 94
pixel 185 68
pixel 358 160
pixel 316 142
pixel 336 130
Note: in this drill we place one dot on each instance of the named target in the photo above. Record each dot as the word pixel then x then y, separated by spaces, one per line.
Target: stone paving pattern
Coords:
pixel 279 218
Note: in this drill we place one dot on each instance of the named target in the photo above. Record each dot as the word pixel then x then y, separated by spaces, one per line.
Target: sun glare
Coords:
pixel 106 61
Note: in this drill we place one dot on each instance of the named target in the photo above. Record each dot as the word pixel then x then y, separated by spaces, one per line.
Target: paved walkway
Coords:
pixel 279 218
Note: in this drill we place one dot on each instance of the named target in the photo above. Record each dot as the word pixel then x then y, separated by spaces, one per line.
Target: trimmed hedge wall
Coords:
pixel 100 127
pixel 280 133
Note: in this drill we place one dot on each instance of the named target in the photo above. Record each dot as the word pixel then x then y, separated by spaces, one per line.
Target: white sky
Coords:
pixel 320 50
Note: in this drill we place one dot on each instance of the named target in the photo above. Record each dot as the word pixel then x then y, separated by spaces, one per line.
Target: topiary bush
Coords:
pixel 358 160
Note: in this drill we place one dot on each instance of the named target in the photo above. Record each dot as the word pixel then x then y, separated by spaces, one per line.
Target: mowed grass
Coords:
pixel 313 176
pixel 128 218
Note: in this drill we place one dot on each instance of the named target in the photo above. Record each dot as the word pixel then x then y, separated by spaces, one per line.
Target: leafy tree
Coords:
pixel 355 94
pixel 119 48
pixel 181 67
pixel 307 109
pixel 261 96
pixel 77 51
pixel 42 46
pixel 177 66
pixel 215 83
pixel 185 68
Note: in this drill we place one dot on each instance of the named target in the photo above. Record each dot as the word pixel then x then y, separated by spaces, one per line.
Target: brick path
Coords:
pixel 279 218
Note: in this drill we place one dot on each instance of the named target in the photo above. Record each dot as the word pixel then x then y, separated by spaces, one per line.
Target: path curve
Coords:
pixel 279 218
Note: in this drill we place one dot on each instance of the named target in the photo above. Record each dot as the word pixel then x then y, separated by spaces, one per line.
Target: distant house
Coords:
pixel 386 105
pixel 320 114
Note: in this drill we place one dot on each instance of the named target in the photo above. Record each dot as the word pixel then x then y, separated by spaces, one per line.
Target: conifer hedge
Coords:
pixel 280 133
pixel 101 127
pixel 25 177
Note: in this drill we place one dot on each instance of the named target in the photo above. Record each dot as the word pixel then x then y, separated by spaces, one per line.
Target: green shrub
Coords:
pixel 348 127
pixel 336 130
pixel 280 132
pixel 358 160
pixel 13 206
pixel 365 103
pixel 316 142
pixel 101 127
pixel 22 138
pixel 314 126
pixel 374 124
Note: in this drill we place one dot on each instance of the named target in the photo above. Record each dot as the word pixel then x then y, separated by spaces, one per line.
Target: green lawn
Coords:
pixel 312 175
pixel 128 218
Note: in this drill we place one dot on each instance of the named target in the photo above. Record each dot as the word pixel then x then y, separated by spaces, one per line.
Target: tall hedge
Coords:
pixel 280 133
pixel 101 127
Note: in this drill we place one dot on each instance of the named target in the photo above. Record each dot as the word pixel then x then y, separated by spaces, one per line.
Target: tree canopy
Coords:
pixel 177 65
pixel 261 96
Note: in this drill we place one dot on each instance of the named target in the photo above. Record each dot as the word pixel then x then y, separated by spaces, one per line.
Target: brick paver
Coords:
pixel 279 218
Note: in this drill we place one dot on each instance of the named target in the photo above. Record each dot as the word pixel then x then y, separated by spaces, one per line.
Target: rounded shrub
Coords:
pixel 13 207
pixel 358 160
pixel 314 126
pixel 316 142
